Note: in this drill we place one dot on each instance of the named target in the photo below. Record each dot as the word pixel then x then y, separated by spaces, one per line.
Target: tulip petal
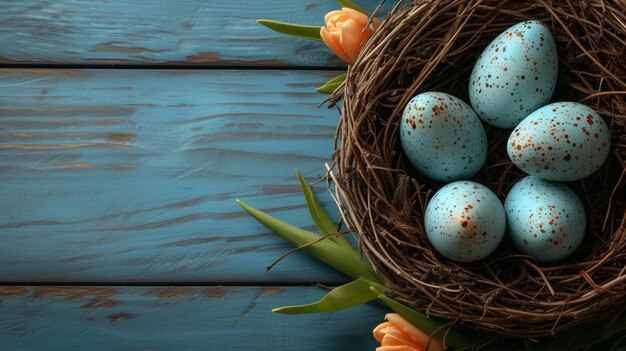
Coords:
pixel 329 39
pixel 352 38
pixel 338 18
pixel 415 334
pixel 331 14
pixel 455 338
pixel 349 29
pixel 336 35
pixel 356 15
pixel 399 340
pixel 396 348
pixel 378 331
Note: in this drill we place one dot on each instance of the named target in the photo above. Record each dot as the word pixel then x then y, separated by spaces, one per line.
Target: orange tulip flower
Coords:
pixel 345 32
pixel 397 334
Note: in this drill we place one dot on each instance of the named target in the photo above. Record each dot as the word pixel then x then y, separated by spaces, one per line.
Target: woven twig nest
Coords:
pixel 432 46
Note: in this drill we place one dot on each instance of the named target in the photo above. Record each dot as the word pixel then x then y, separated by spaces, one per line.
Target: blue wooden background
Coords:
pixel 118 226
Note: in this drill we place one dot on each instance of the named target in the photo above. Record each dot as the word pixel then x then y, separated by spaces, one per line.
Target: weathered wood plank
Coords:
pixel 180 318
pixel 132 175
pixel 163 32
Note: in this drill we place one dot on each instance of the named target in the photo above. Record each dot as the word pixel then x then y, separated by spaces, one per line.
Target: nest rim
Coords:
pixel 382 199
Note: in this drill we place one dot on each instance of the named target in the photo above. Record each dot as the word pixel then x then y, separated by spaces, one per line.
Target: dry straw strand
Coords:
pixel 431 46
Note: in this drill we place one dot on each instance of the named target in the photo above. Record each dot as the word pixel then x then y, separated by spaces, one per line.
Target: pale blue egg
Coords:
pixel 545 220
pixel 465 221
pixel 563 141
pixel 442 137
pixel 515 75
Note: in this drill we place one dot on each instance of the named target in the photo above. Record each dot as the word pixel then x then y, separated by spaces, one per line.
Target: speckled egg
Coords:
pixel 563 141
pixel 514 75
pixel 465 221
pixel 442 137
pixel 545 220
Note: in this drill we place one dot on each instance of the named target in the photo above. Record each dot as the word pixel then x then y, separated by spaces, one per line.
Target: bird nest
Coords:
pixel 432 46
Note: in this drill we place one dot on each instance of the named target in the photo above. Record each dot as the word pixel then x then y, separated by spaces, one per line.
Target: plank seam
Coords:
pixel 169 66
pixel 173 284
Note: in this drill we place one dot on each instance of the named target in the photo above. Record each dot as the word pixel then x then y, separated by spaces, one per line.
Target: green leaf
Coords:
pixel 346 261
pixel 296 30
pixel 352 294
pixel 321 219
pixel 330 86
pixel 351 5
pixel 429 326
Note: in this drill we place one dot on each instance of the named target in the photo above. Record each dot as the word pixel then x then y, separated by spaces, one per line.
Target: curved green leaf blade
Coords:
pixel 352 294
pixel 330 86
pixel 323 222
pixel 296 30
pixel 429 326
pixel 351 5
pixel 346 261
pixel 338 79
pixel 321 219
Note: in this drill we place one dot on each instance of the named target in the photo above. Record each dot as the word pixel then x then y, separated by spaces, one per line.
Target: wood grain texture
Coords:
pixel 132 175
pixel 190 32
pixel 176 318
